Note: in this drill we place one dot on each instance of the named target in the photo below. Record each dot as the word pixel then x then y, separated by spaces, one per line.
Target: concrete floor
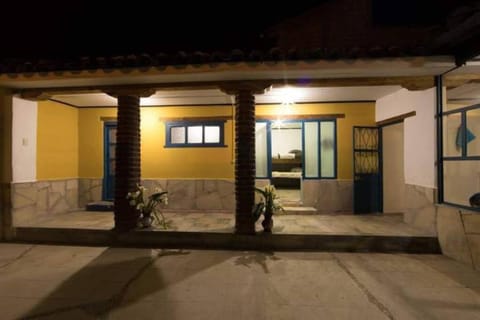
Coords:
pixel 57 282
pixel 388 224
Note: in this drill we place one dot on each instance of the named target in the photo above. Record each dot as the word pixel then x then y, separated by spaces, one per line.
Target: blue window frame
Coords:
pixel 458 149
pixel 195 134
pixel 109 146
pixel 326 157
pixel 325 136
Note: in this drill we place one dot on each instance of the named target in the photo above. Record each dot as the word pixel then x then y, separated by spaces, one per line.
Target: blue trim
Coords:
pixel 318 121
pixel 107 183
pixel 303 150
pixel 186 124
pixel 335 155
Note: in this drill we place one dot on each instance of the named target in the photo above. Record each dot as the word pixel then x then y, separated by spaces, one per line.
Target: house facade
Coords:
pixel 371 125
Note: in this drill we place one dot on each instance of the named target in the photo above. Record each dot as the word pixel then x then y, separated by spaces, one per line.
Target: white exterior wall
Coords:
pixel 24 140
pixel 420 132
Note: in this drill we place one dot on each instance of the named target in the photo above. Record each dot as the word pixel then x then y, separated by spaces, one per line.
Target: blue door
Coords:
pixel 109 146
pixel 367 188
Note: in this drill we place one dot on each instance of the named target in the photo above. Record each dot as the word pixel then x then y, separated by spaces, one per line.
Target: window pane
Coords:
pixel 112 135
pixel 473 132
pixel 452 144
pixel 311 149
pixel 461 180
pixel 112 167
pixel 327 134
pixel 212 134
pixel 195 134
pixel 261 160
pixel 112 151
pixel 177 135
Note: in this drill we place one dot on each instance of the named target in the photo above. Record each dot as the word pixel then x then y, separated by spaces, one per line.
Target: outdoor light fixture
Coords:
pixel 287 96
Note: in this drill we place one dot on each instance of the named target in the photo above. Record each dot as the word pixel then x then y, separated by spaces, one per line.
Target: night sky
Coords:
pixel 71 28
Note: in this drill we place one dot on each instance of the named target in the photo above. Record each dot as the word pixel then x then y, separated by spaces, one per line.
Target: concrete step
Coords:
pixel 291 203
pixel 229 241
pixel 299 210
pixel 100 206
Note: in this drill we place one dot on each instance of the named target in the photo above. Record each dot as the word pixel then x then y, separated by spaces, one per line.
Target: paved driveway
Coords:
pixel 63 282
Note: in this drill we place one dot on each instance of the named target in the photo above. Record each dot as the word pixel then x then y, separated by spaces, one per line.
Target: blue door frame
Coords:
pixel 109 146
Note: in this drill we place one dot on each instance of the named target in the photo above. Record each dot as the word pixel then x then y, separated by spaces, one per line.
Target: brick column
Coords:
pixel 127 166
pixel 6 218
pixel 244 152
pixel 127 155
pixel 244 161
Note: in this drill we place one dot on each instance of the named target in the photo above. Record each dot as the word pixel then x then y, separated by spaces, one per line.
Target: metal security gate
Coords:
pixel 367 184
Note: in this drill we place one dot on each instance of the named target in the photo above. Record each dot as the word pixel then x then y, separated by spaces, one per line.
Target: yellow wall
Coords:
pixel 356 114
pixel 90 140
pixel 157 161
pixel 57 141
pixel 59 154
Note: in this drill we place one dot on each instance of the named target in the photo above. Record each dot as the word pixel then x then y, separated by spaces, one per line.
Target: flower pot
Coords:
pixel 146 221
pixel 267 222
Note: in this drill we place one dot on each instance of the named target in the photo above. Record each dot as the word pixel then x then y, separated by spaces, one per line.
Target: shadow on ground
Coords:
pixel 101 286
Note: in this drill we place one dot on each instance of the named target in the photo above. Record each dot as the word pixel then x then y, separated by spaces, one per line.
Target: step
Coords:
pixel 229 241
pixel 100 206
pixel 300 210
pixel 291 203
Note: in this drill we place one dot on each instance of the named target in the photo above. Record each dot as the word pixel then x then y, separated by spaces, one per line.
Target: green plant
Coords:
pixel 269 203
pixel 148 206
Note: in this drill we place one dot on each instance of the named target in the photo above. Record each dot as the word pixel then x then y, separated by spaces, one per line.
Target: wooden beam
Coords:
pixel 198 119
pixel 396 119
pixel 108 119
pixel 411 83
pixel 300 116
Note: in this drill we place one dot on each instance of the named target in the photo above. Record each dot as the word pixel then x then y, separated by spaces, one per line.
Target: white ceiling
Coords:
pixel 215 96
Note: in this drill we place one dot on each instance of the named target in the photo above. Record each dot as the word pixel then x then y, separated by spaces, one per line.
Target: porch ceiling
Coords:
pixel 216 97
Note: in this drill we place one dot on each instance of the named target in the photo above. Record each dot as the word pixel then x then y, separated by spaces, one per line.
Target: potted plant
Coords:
pixel 267 206
pixel 148 207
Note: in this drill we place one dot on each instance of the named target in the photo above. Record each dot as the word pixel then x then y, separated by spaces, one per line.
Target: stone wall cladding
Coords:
pixel 89 190
pixel 196 194
pixel 420 208
pixel 459 234
pixel 31 200
pixel 328 196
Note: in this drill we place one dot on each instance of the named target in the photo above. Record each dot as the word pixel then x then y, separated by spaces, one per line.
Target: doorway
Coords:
pixel 109 146
pixel 367 182
pixel 393 168
pixel 287 159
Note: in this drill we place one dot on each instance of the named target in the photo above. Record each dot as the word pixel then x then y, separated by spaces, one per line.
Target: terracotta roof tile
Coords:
pixel 161 60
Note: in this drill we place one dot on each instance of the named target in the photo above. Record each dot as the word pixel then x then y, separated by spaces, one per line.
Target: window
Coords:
pixel 461 154
pixel 195 134
pixel 319 140
pixel 307 147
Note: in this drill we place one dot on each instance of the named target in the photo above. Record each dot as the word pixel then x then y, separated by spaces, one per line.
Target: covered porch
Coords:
pixel 223 179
